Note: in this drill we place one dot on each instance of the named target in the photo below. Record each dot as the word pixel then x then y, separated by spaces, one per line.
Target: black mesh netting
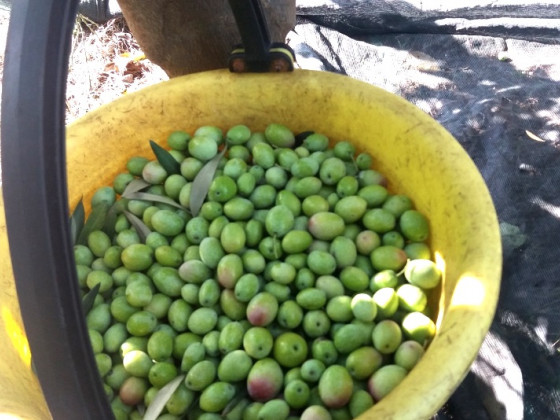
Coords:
pixel 490 75
pixel 489 72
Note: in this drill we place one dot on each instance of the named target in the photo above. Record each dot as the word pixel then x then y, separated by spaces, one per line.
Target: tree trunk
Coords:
pixel 187 36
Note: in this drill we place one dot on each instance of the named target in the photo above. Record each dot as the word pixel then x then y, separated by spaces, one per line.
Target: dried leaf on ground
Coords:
pixel 105 63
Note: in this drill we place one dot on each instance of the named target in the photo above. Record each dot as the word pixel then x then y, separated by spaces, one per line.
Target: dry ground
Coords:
pixel 105 63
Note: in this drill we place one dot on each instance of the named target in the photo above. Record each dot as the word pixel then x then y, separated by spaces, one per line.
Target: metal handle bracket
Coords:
pixel 257 53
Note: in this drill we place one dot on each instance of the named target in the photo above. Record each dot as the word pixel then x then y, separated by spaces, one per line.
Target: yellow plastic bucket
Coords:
pixel 20 393
pixel 418 156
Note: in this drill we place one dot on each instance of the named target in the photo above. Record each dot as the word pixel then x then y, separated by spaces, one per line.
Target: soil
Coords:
pixel 105 62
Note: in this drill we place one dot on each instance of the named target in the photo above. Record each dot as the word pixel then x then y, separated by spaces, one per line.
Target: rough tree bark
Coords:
pixel 187 36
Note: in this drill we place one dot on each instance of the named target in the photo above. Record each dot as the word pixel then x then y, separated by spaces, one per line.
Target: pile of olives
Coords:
pixel 257 275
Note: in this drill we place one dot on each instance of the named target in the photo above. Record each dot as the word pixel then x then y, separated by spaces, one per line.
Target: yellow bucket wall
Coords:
pixel 20 393
pixel 417 155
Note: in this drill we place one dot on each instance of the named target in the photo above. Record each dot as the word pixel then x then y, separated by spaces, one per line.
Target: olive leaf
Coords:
pixel 165 159
pixel 154 197
pixel 354 164
pixel 512 237
pixel 161 398
pixel 95 221
pixel 202 181
pixel 240 396
pixel 77 220
pixel 533 136
pixel 134 186
pixel 142 230
pixel 89 298
pixel 111 218
pixel 301 137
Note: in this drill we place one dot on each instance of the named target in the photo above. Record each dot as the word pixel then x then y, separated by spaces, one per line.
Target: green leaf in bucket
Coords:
pixel 134 186
pixel 239 397
pixel 95 221
pixel 141 228
pixel 161 398
pixel 111 219
pixel 165 159
pixel 202 181
pixel 89 298
pixel 77 220
pixel 154 197
pixel 301 137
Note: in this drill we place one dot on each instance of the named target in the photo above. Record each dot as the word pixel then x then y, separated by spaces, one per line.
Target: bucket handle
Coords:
pixel 36 208
pixel 257 53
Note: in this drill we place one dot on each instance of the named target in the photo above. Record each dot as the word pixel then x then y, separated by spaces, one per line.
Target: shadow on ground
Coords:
pixel 500 98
